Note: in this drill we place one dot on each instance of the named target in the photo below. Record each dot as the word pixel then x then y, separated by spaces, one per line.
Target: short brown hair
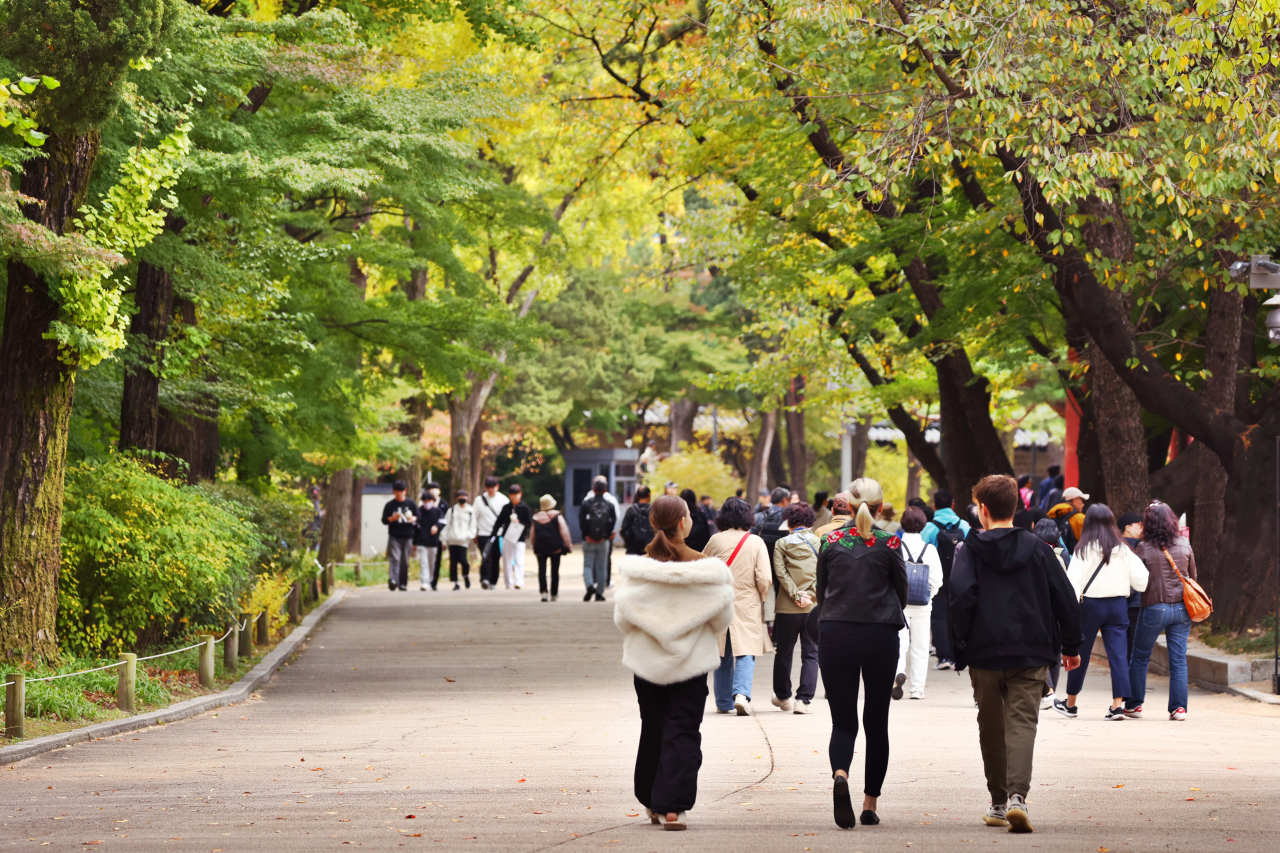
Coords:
pixel 999 494
pixel 914 519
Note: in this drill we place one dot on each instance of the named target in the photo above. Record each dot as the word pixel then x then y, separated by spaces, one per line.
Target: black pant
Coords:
pixel 670 751
pixel 787 628
pixel 490 560
pixel 555 573
pixel 847 652
pixel 940 626
pixel 458 557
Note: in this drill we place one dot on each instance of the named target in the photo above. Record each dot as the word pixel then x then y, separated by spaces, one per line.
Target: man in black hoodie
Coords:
pixel 1013 613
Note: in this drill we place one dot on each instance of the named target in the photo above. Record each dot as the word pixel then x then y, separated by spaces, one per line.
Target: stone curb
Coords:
pixel 236 693
pixel 1216 672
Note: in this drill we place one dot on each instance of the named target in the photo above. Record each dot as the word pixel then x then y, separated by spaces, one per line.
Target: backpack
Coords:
pixel 599 524
pixel 917 577
pixel 1068 536
pixel 949 536
pixel 546 537
pixel 769 529
pixel 639 531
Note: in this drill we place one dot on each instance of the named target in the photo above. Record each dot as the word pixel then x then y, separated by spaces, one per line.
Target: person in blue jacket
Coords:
pixel 944 532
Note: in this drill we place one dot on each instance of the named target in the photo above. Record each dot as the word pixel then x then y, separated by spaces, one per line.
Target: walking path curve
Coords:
pixel 505 724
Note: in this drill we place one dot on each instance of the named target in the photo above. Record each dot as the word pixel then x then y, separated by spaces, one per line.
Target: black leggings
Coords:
pixel 555 573
pixel 847 652
pixel 458 556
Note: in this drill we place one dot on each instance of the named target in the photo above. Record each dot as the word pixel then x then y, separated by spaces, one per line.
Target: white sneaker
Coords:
pixel 916 694
pixel 783 705
pixel 1046 703
pixel 742 705
pixel 802 708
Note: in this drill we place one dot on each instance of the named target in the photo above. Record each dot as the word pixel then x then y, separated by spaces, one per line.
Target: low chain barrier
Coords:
pixel 237 642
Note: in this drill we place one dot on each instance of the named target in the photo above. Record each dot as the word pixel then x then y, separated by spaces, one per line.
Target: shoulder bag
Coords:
pixel 1198 603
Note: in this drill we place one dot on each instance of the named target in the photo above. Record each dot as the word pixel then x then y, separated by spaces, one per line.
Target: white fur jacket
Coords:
pixel 671 615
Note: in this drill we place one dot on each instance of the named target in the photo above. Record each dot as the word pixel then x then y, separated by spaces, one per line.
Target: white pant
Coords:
pixel 426 562
pixel 913 647
pixel 513 563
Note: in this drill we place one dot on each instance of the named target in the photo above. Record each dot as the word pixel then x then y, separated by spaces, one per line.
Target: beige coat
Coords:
pixel 752 581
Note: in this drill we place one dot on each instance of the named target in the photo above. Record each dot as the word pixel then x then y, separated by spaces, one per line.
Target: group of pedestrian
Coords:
pixel 1010 602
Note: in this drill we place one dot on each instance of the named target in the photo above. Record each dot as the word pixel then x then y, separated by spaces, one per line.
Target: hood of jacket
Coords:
pixel 1061 510
pixel 944 517
pixel 1003 548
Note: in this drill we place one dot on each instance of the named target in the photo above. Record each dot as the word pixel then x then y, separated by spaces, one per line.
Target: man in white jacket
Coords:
pixel 488 505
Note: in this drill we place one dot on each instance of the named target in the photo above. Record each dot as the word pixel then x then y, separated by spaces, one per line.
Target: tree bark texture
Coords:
pixel 758 469
pixel 36 390
pixel 797 445
pixel 355 516
pixel 913 478
pixel 140 402
pixel 861 447
pixel 191 434
pixel 683 411
pixel 777 460
pixel 1222 350
pixel 334 529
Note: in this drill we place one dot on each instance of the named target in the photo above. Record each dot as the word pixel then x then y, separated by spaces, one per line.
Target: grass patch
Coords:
pixel 1258 641
pixel 375 575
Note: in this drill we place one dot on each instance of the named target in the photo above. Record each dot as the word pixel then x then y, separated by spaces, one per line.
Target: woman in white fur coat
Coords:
pixel 670 606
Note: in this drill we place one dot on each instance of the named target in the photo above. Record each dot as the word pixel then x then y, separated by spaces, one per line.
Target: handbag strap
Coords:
pixel 1172 564
pixel 1091 579
pixel 737 549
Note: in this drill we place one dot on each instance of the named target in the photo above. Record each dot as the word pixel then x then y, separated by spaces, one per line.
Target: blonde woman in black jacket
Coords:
pixel 862 589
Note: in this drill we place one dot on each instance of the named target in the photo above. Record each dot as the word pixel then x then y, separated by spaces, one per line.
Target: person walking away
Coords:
pixel 924 576
pixel 886 520
pixel 821 509
pixel 649 460
pixel 708 510
pixel 426 540
pixel 701 533
pixel 400 516
pixel 636 531
pixel 550 542
pixel 748 561
pixel 1046 485
pixel 1130 525
pixel 1168 558
pixel 458 533
pixel 1069 514
pixel 924 507
pixel 1046 530
pixel 671 605
pixel 768 522
pixel 596 518
pixel 1003 570
pixel 487 507
pixel 945 532
pixel 795 564
pixel 1025 493
pixel 841 515
pixel 617 510
pixel 1053 497
pixel 861 589
pixel 513 526
pixel 1103 570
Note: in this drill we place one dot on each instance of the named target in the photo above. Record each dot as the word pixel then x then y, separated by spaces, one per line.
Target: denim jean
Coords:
pixel 595 565
pixel 1111 617
pixel 733 677
pixel 1172 621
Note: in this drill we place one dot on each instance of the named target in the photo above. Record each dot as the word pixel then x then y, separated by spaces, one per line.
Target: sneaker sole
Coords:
pixel 843 805
pixel 994 821
pixel 1065 714
pixel 1018 821
pixel 741 708
pixel 900 680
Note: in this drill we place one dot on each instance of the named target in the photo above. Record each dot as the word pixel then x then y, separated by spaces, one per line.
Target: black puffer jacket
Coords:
pixel 1011 604
pixel 858 582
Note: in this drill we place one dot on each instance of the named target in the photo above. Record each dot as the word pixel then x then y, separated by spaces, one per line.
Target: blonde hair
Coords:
pixel 868 496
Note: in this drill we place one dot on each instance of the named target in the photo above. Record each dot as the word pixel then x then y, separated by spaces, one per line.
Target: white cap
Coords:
pixel 1073 493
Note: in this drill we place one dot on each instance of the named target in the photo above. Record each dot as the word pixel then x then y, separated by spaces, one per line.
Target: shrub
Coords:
pixel 697 469
pixel 279 515
pixel 143 557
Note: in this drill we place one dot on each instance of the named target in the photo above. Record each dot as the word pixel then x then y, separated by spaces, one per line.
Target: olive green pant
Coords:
pixel 1008 710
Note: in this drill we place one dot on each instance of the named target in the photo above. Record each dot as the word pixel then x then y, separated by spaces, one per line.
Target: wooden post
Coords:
pixel 127 683
pixel 295 602
pixel 359 569
pixel 15 702
pixel 231 650
pixel 264 629
pixel 206 661
pixel 315 588
pixel 246 635
pixel 324 581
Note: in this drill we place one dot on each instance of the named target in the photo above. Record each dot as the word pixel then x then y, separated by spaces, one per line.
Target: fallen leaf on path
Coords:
pixel 90 842
pixel 521 780
pixel 451 680
pixel 1195 789
pixel 1117 786
pixel 316 769
pixel 410 816
pixel 1104 850
pixel 1191 799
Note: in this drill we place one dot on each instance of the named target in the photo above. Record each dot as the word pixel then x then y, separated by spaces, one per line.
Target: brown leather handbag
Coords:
pixel 1198 603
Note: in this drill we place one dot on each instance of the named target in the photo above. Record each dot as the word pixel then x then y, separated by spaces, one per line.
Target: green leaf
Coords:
pixel 49 82
pixel 28 84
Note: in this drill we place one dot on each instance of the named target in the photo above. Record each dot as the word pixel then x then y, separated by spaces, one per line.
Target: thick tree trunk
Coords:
pixel 464 417
pixel 334 530
pixel 797 445
pixel 191 434
pixel 913 477
pixel 355 516
pixel 683 411
pixel 758 469
pixel 477 458
pixel 1120 436
pixel 140 401
pixel 1222 350
pixel 861 447
pixel 777 461
pixel 36 390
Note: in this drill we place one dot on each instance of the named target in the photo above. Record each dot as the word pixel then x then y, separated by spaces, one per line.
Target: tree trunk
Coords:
pixel 464 418
pixel 334 530
pixel 861 447
pixel 191 435
pixel 913 477
pixel 355 516
pixel 140 401
pixel 36 390
pixel 1222 350
pixel 971 447
pixel 757 471
pixel 777 461
pixel 683 411
pixel 797 445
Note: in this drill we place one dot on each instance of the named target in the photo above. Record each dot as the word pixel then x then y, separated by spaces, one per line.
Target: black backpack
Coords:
pixel 770 530
pixel 949 536
pixel 1066 533
pixel 600 518
pixel 546 537
pixel 639 532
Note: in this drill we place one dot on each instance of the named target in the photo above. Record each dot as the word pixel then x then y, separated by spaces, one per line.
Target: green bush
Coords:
pixel 144 557
pixel 279 515
pixel 695 468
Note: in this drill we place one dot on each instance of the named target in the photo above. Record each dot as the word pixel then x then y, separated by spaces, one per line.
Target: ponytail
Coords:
pixel 868 495
pixel 665 517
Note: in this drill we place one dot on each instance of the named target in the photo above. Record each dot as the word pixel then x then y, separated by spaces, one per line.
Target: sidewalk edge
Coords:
pixel 236 693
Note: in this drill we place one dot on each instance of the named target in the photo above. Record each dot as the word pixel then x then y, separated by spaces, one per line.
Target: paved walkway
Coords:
pixel 503 724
